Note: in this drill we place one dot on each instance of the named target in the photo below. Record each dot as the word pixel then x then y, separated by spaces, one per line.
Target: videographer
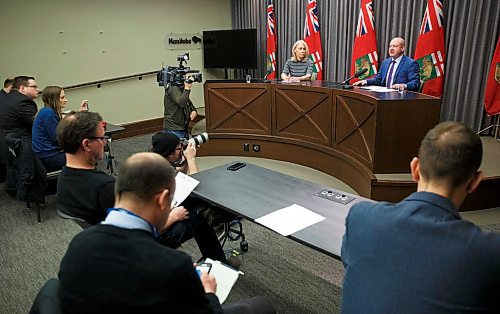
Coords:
pixel 178 109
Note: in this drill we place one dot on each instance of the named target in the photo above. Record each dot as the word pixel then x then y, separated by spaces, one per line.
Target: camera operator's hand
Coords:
pixel 193 115
pixel 190 151
pixel 187 86
pixel 190 154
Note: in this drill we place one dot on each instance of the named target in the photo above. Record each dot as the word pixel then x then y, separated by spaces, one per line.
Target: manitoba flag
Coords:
pixel 271 41
pixel 364 52
pixel 492 91
pixel 312 38
pixel 430 52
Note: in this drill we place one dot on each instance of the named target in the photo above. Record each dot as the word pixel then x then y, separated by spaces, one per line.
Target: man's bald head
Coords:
pixel 145 175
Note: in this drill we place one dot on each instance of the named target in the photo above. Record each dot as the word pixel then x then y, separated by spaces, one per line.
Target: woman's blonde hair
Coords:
pixel 297 43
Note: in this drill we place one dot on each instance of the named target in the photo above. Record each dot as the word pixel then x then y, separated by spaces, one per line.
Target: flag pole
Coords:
pixel 495 125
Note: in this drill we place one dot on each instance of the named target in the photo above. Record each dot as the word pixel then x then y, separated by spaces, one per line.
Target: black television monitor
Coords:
pixel 230 49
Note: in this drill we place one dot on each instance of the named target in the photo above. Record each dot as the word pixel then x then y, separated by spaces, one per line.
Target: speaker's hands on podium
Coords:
pixel 399 86
pixel 359 83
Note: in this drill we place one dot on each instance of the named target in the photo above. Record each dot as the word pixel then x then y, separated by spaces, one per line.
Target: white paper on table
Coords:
pixel 225 277
pixel 184 185
pixel 380 89
pixel 290 219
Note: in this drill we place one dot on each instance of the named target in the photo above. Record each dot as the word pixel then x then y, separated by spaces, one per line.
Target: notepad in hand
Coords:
pixel 225 277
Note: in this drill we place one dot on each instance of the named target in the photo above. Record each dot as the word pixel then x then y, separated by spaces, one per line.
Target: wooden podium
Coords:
pixel 349 134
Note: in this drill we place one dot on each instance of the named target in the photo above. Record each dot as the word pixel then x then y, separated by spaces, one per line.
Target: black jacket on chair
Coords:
pixel 25 173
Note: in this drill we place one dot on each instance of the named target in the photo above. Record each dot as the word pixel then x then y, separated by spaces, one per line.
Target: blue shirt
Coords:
pixel 125 219
pixel 44 137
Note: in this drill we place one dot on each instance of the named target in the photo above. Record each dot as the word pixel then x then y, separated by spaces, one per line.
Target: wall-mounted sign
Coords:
pixel 182 41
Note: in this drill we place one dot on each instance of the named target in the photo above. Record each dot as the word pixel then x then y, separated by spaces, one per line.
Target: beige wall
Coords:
pixel 60 43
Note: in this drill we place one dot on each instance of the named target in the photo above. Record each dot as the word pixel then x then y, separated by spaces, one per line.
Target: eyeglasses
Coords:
pixel 33 86
pixel 102 138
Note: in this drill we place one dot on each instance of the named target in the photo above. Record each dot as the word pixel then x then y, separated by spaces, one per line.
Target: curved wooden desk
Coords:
pixel 349 134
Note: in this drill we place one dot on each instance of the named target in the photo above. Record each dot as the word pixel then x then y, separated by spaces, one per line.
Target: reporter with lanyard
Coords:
pixel 118 266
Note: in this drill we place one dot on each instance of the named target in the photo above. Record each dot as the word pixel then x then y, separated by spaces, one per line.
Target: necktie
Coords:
pixel 389 77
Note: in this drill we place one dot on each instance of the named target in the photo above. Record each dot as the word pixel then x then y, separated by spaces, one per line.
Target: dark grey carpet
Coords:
pixel 296 278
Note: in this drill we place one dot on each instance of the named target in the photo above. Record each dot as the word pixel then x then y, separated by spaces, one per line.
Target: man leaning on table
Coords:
pixel 398 72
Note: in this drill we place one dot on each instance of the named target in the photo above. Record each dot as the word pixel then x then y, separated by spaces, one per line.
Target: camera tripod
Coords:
pixel 109 157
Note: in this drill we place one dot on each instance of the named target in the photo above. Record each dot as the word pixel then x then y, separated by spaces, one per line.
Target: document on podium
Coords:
pixel 289 220
pixel 184 185
pixel 225 277
pixel 379 89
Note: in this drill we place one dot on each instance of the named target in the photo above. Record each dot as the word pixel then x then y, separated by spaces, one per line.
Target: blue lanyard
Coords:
pixel 122 210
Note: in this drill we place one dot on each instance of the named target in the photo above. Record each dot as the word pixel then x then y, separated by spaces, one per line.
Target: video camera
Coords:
pixel 176 76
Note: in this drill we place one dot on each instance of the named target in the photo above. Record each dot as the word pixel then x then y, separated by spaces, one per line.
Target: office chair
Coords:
pixel 47 300
pixel 79 221
pixel 26 176
pixel 231 226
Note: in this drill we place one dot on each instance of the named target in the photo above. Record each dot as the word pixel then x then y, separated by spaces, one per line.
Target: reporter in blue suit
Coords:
pixel 405 74
pixel 419 255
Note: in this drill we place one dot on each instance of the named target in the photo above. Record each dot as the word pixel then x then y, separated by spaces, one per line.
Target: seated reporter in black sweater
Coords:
pixel 118 266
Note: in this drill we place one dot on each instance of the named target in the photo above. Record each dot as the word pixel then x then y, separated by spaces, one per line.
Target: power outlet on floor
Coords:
pixel 256 148
pixel 246 147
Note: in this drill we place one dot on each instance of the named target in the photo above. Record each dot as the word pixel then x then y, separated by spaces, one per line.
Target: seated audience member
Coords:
pixel 419 255
pixel 7 86
pixel 118 266
pixel 45 144
pixel 82 190
pixel 87 193
pixel 299 67
pixel 18 109
pixel 399 71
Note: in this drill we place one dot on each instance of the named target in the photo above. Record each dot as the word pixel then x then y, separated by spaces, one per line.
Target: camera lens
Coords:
pixel 199 139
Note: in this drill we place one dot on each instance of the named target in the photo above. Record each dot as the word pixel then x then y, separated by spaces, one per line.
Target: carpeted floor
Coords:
pixel 296 278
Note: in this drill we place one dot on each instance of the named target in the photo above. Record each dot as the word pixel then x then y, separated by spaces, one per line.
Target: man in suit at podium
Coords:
pixel 398 72
pixel 419 255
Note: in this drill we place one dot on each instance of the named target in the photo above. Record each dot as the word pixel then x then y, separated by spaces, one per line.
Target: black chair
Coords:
pixel 79 221
pixel 47 300
pixel 26 176
pixel 227 225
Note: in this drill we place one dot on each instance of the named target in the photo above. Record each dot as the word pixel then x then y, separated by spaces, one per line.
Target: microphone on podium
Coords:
pixel 345 84
pixel 269 70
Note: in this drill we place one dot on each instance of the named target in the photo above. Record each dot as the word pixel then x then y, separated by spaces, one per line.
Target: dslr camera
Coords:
pixel 196 140
pixel 176 76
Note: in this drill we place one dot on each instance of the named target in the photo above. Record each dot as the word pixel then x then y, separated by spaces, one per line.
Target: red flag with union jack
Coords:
pixel 430 52
pixel 492 91
pixel 271 41
pixel 364 52
pixel 312 38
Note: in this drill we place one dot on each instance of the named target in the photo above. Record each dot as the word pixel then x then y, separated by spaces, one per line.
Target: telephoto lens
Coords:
pixel 199 139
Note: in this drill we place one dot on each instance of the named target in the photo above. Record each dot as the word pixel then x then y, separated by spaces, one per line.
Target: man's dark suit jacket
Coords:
pixel 17 114
pixel 3 94
pixel 113 270
pixel 418 256
pixel 407 73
